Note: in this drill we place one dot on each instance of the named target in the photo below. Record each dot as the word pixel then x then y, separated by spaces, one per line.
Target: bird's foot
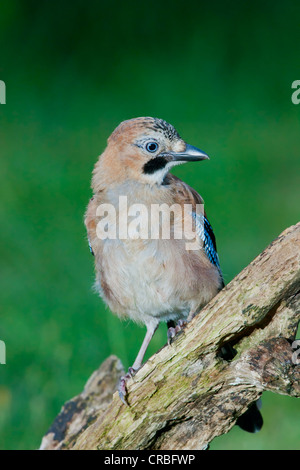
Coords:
pixel 172 331
pixel 122 389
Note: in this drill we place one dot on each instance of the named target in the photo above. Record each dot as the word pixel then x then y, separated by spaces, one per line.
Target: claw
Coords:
pixel 180 325
pixel 172 332
pixel 122 389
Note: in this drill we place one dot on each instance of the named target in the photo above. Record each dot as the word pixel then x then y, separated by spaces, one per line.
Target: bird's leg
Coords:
pixel 192 314
pixel 137 363
pixel 122 385
pixel 173 329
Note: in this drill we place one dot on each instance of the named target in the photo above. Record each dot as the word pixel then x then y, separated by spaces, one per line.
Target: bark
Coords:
pixel 190 392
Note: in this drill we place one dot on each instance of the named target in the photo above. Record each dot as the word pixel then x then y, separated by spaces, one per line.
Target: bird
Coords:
pixel 152 279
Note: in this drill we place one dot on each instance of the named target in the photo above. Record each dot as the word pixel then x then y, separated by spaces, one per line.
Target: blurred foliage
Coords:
pixel 221 73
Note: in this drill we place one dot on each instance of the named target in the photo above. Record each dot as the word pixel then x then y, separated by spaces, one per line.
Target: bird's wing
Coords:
pixel 205 232
pixel 90 247
pixel 203 228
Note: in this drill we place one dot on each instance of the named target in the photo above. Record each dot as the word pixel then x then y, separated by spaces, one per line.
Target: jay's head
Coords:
pixel 144 149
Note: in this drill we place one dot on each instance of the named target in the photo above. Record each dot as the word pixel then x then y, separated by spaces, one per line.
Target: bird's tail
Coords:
pixel 251 420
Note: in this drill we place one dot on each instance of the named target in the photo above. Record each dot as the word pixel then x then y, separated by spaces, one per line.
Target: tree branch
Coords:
pixel 188 393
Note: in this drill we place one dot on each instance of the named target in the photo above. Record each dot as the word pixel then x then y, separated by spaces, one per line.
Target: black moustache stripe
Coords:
pixel 154 165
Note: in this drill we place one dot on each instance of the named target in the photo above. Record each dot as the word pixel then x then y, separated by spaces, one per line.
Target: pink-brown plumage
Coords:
pixel 148 281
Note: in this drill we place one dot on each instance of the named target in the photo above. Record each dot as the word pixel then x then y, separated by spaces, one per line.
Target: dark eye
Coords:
pixel 151 147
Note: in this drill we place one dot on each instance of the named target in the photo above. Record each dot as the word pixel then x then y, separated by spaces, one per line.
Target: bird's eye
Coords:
pixel 151 147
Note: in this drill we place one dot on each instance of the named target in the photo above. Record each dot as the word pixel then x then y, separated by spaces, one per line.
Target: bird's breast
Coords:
pixel 146 279
pixel 150 274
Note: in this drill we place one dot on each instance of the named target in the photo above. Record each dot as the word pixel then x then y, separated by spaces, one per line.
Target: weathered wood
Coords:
pixel 79 412
pixel 187 393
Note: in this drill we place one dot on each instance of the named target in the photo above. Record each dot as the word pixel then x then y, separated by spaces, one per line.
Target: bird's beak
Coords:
pixel 190 154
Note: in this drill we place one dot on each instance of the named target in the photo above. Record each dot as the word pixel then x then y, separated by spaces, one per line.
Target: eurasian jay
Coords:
pixel 150 279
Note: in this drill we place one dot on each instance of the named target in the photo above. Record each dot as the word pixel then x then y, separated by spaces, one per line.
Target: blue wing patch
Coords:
pixel 205 233
pixel 90 247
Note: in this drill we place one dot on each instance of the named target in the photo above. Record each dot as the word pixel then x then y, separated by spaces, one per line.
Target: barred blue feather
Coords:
pixel 205 233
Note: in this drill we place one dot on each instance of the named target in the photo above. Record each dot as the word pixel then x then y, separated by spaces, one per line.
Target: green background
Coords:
pixel 221 73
